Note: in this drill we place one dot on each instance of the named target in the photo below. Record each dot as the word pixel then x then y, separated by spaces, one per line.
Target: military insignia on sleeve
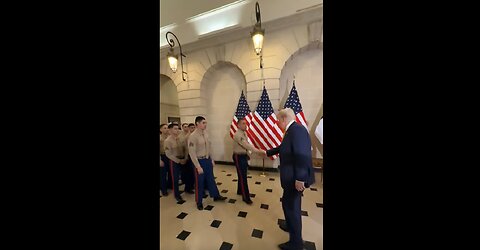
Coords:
pixel 191 144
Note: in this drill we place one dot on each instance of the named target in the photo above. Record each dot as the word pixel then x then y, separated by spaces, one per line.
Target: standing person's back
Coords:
pixel 296 173
pixel 295 156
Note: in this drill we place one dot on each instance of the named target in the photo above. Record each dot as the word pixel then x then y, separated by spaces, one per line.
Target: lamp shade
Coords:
pixel 172 61
pixel 258 42
pixel 257 37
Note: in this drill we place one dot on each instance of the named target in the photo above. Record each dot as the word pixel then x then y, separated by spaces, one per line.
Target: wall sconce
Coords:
pixel 173 58
pixel 258 33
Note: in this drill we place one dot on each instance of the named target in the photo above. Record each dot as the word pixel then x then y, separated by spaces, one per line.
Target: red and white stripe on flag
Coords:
pixel 266 134
pixel 300 118
pixel 263 126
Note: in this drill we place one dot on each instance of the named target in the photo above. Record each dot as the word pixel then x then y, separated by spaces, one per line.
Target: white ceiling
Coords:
pixel 194 19
pixel 176 11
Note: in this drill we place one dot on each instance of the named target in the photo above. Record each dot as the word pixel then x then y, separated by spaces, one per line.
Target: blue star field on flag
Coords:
pixel 293 101
pixel 264 108
pixel 242 109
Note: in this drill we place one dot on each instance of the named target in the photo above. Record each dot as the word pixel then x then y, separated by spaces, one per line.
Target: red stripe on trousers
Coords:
pixel 173 180
pixel 240 176
pixel 196 185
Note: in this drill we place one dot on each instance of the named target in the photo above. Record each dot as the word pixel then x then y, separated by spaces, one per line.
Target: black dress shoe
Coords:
pixel 200 206
pixel 205 196
pixel 165 193
pixel 220 198
pixel 287 246
pixel 190 191
pixel 284 246
pixel 248 201
pixel 180 200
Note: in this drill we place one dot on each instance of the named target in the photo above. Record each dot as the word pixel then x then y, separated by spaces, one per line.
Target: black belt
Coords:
pixel 239 154
pixel 181 157
pixel 202 157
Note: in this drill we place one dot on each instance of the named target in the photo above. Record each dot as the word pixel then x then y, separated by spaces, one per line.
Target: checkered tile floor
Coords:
pixel 233 224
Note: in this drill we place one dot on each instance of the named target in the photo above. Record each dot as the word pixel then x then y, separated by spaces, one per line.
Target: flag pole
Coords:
pixel 263 168
pixel 263 159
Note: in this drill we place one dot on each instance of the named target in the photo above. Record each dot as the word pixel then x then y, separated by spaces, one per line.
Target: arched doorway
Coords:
pixel 306 65
pixel 221 87
pixel 169 108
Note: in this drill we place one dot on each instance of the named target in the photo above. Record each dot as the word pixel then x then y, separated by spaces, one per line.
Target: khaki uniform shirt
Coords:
pixel 183 138
pixel 241 144
pixel 198 146
pixel 162 144
pixel 175 148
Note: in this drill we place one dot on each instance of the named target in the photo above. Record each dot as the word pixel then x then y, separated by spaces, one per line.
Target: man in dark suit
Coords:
pixel 296 174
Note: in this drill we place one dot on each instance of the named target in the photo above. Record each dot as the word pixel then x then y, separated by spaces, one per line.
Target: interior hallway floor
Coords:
pixel 233 224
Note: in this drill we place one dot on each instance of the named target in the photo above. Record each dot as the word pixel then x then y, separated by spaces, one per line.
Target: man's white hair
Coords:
pixel 286 113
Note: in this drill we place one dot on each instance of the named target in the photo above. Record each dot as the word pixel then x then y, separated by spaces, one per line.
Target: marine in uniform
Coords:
pixel 175 150
pixel 191 126
pixel 163 160
pixel 186 169
pixel 199 151
pixel 241 150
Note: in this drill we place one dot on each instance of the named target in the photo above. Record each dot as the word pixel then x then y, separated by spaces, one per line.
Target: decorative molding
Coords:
pixel 300 18
pixel 262 79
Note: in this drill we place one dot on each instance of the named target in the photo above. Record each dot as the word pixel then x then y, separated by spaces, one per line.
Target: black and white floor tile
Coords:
pixel 234 225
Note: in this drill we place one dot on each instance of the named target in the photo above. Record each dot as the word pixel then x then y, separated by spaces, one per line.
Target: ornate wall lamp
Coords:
pixel 173 58
pixel 258 34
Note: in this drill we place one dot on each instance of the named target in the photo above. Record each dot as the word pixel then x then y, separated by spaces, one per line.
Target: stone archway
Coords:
pixel 306 64
pixel 169 106
pixel 221 87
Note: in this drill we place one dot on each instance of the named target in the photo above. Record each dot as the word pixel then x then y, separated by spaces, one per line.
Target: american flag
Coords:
pixel 264 129
pixel 243 111
pixel 293 102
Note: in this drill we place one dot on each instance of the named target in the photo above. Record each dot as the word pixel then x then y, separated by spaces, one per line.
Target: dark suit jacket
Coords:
pixel 295 157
